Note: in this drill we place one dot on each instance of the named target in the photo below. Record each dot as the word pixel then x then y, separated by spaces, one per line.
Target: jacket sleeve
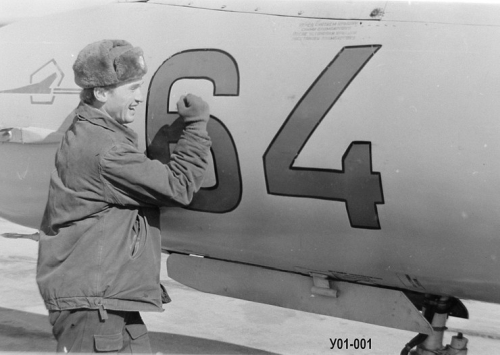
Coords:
pixel 131 178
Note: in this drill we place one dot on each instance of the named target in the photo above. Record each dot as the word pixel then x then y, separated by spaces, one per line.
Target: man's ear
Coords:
pixel 101 94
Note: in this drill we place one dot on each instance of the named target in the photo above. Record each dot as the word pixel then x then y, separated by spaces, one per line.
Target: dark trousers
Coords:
pixel 84 331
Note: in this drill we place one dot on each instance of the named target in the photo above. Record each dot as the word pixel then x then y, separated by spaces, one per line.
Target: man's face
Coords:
pixel 122 101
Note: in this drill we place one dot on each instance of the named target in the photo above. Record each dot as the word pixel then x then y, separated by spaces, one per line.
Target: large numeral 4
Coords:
pixel 356 184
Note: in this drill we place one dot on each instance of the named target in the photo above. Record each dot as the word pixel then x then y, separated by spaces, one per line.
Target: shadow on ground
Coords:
pixel 29 332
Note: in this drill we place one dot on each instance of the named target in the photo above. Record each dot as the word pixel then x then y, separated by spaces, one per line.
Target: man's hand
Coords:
pixel 194 111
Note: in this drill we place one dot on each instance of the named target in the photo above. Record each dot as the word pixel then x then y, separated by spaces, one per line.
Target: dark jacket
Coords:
pixel 100 245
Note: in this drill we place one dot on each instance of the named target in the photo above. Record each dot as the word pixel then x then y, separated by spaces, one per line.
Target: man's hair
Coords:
pixel 87 96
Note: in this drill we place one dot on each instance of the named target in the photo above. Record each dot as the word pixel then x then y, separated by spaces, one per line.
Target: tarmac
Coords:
pixel 200 323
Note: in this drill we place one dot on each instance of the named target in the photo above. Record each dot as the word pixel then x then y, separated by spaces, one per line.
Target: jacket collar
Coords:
pixel 102 119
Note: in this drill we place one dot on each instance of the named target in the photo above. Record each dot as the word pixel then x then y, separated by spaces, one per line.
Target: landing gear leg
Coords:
pixel 433 344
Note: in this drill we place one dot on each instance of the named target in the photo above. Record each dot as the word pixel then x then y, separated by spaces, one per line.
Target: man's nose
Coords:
pixel 138 96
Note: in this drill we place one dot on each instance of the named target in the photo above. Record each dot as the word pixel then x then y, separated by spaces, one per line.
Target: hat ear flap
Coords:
pixel 93 66
pixel 101 67
pixel 130 65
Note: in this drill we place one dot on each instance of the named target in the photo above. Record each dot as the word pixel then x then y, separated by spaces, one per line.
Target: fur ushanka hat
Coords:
pixel 108 62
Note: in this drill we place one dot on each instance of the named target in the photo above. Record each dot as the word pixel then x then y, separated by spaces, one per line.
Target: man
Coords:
pixel 99 252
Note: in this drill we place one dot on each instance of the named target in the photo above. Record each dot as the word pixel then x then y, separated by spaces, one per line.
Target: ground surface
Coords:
pixel 199 323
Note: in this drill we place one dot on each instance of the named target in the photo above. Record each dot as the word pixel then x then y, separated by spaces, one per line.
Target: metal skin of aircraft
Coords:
pixel 18 10
pixel 356 149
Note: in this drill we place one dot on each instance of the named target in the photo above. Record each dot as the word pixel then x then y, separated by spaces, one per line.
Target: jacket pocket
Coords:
pixel 140 339
pixel 136 330
pixel 139 235
pixel 104 343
